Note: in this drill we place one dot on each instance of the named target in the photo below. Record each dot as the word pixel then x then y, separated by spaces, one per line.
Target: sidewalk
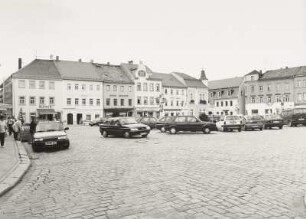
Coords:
pixel 14 163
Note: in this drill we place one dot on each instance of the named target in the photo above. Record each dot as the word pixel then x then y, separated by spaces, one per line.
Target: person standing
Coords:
pixel 32 127
pixel 10 123
pixel 3 128
pixel 17 129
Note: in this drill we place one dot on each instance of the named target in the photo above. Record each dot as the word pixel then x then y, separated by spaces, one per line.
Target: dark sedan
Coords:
pixel 253 122
pixel 50 135
pixel 160 124
pixel 188 123
pixel 149 121
pixel 124 126
pixel 271 121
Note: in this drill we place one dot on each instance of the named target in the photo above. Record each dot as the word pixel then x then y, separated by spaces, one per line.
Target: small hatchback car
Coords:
pixel 50 134
pixel 229 123
pixel 123 126
pixel 271 121
pixel 253 122
pixel 188 123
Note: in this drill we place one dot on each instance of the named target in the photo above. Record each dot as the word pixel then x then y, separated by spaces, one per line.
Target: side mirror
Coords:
pixel 66 128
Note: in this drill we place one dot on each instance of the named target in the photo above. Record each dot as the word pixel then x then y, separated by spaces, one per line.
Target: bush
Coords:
pixel 204 117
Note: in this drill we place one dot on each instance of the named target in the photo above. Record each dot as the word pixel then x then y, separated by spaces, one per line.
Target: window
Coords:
pixel 260 99
pixel 304 83
pixel 252 88
pixel 90 102
pixel 141 73
pixel 180 119
pixel 41 85
pixel 177 92
pixel 157 87
pixel 51 101
pixel 121 102
pixel 121 88
pixel 183 92
pixel 171 91
pixel 114 87
pixel 245 90
pixel 145 101
pixel 130 102
pixel 299 83
pixel 229 92
pixel 76 86
pixel 84 87
pixel 157 100
pixel 231 103
pixel 42 100
pixel 300 97
pixel 269 100
pixel 97 116
pixel 182 104
pixel 130 88
pixel 269 88
pixel 145 87
pixel 278 99
pixel 177 103
pixel 98 87
pixel 107 87
pixel 88 117
pixel 166 91
pixel 226 103
pixel 76 101
pixel 261 88
pixel 32 101
pixel 90 87
pixel 139 100
pixel 83 101
pixel 51 85
pixel 21 83
pixel 98 102
pixel 115 102
pixel 286 98
pixel 171 102
pixel 219 93
pixel 221 103
pixel 252 99
pixel 252 78
pixel 32 84
pixel 304 97
pixel 151 100
pixel 22 100
pixel 138 86
pixel 69 86
pixel 68 101
pixel 151 87
pixel 278 87
pixel 107 101
pixel 287 87
pixel 217 104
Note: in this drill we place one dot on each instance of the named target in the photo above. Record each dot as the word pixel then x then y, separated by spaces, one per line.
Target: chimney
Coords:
pixel 108 63
pixel 80 60
pixel 19 63
pixel 51 57
pixel 57 58
pixel 203 75
pixel 91 60
pixel 130 62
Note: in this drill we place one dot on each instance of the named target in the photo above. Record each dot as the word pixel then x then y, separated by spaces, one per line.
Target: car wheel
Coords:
pixel 105 134
pixel 144 136
pixel 162 129
pixel 36 149
pixel 172 131
pixel 261 129
pixel 127 135
pixel 290 124
pixel 206 130
pixel 281 127
pixel 239 130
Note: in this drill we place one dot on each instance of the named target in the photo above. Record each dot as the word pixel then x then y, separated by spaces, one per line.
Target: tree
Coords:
pixel 204 117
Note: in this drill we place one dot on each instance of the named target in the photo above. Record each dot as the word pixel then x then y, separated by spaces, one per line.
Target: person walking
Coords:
pixel 3 128
pixel 32 127
pixel 10 123
pixel 17 129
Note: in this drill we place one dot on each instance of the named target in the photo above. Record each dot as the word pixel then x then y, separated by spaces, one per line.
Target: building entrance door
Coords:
pixel 79 118
pixel 69 119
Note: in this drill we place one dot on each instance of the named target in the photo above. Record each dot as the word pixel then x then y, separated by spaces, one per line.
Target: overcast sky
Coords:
pixel 226 38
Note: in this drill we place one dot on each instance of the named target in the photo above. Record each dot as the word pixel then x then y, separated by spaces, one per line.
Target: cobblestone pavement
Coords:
pixel 259 174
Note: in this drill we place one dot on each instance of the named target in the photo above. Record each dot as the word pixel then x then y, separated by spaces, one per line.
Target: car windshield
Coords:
pixel 273 117
pixel 49 126
pixel 254 118
pixel 232 118
pixel 126 121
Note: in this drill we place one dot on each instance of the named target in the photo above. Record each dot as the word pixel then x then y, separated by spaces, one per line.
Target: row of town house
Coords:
pixel 75 91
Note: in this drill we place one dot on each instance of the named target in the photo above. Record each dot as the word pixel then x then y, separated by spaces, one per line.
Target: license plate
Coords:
pixel 275 121
pixel 51 143
pixel 143 133
pixel 301 119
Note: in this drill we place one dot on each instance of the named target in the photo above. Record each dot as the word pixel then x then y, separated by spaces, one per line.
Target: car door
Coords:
pixel 180 123
pixel 193 124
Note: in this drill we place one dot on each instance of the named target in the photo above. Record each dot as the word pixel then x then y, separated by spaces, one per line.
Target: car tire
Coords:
pixel 36 149
pixel 206 130
pixel 144 136
pixel 127 135
pixel 105 134
pixel 281 127
pixel 290 124
pixel 239 130
pixel 261 129
pixel 162 129
pixel 172 131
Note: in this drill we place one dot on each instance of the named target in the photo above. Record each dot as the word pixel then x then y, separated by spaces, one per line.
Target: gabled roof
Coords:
pixel 168 80
pixel 112 74
pixel 72 70
pixel 39 69
pixel 225 83
pixel 284 73
pixel 190 81
pixel 254 72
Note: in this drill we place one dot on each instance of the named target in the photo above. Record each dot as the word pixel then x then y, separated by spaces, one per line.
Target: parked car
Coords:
pixel 271 121
pixel 160 124
pixel 229 123
pixel 188 123
pixel 150 121
pixel 50 134
pixel 253 122
pixel 124 126
pixel 97 122
pixel 25 134
pixel 295 116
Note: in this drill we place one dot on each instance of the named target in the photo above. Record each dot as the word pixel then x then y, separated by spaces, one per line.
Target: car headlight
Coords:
pixel 38 139
pixel 148 128
pixel 134 129
pixel 62 137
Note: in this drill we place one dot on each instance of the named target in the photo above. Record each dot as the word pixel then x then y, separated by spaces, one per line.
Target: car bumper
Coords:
pixel 140 132
pixel 254 126
pixel 59 144
pixel 232 126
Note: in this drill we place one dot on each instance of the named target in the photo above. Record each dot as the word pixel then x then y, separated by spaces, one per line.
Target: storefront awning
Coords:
pixel 46 111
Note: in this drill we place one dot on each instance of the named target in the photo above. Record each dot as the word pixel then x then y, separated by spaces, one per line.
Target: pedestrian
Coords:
pixel 17 129
pixel 10 123
pixel 3 128
pixel 32 127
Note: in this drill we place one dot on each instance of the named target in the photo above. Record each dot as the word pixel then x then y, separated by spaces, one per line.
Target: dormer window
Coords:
pixel 142 73
pixel 252 78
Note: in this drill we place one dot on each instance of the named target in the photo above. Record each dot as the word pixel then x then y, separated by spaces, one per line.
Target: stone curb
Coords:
pixel 14 177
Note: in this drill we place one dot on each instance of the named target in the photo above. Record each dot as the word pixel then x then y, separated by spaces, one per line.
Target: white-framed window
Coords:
pixel 121 88
pixel 21 83
pixel 121 102
pixel 115 102
pixel 68 101
pixel 88 117
pixel 114 87
pixel 41 84
pixel 76 86
pixel 260 99
pixel 90 102
pixel 130 88
pixel 252 88
pixel 107 101
pixel 32 101
pixel 22 100
pixel 166 91
pixel 278 87
pixel 138 86
pixel 231 103
pixel 304 97
pixel 278 99
pixel 51 85
pixel 269 88
pixel 252 99
pixel 68 86
pixel 42 100
pixel 107 87
pixel 171 102
pixel 287 87
pixel 217 104
pixel 90 87
pixel 76 101
pixel 51 100
pixel 145 86
pixel 229 92
pixel 98 87
pixel 299 83
pixel 84 87
pixel 97 116
pixel 98 102
pixel 261 88
pixel 152 101
pixel 171 91
pixel 138 100
pixel 300 97
pixel 219 93
pixel 252 78
pixel 286 98
pixel 177 92
pixel 269 99
pixel 157 87
pixel 141 73
pixel 151 87
pixel 183 92
pixel 145 100
pixel 84 101
pixel 130 102
pixel 32 84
